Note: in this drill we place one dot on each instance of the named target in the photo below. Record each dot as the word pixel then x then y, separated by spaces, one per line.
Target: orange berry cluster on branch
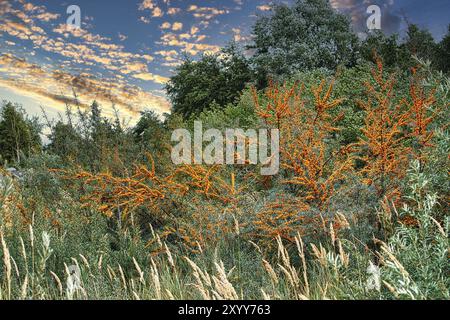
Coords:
pixel 388 127
pixel 201 189
pixel 312 167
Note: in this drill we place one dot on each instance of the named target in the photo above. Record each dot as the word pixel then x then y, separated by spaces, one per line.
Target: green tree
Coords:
pixel 307 35
pixel 18 134
pixel 215 78
pixel 443 53
pixel 385 47
pixel 104 140
pixel 65 141
pixel 152 137
pixel 420 42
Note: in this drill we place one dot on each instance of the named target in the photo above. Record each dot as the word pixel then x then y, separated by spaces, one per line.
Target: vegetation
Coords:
pixel 215 79
pixel 359 209
pixel 303 38
pixel 19 135
pixel 306 36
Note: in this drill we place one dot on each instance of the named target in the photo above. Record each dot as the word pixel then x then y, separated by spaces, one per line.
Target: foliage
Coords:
pixel 217 78
pixel 151 136
pixel 385 47
pixel 312 168
pixel 385 154
pixel 238 115
pixel 307 35
pixel 418 43
pixel 36 260
pixel 19 136
pixel 415 258
pixel 444 53
pixel 395 130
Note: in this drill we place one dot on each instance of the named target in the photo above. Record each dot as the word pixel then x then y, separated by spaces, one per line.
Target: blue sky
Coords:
pixel 127 49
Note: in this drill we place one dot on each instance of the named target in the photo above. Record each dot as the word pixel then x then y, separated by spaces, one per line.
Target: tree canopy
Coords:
pixel 443 56
pixel 309 34
pixel 18 134
pixel 306 35
pixel 214 78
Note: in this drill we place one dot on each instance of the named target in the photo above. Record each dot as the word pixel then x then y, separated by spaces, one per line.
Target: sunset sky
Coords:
pixel 127 49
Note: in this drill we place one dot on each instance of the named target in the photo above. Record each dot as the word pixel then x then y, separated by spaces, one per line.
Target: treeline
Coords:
pixel 84 138
pixel 306 36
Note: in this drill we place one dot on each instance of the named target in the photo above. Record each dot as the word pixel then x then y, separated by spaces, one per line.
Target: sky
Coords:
pixel 126 50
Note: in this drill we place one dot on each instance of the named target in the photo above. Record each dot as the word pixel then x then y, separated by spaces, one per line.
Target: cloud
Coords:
pixel 166 25
pixel 170 57
pixel 157 12
pixel 177 26
pixel 206 13
pixel 194 30
pixel 201 38
pixel 147 76
pixel 173 11
pixel 56 87
pixel 238 37
pixel 174 40
pixel 151 5
pixel 122 37
pixel 148 57
pixel 147 5
pixel 75 53
pixel 46 16
pixel 92 50
pixel 264 7
pixel 144 20
pixel 167 53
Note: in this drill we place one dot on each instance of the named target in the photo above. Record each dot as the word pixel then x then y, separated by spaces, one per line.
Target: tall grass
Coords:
pixel 39 261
